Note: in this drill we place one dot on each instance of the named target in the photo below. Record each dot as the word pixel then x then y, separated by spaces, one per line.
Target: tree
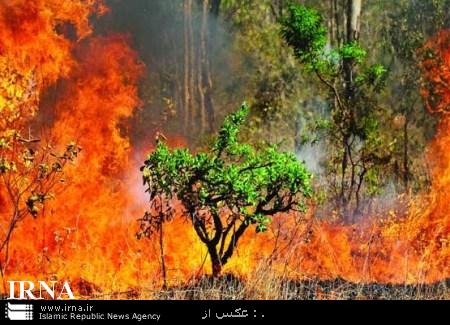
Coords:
pixel 224 190
pixel 198 103
pixel 29 169
pixel 411 23
pixel 357 146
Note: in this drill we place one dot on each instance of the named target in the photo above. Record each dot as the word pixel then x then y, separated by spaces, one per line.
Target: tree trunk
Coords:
pixel 186 88
pixel 216 263
pixel 207 30
pixel 344 164
pixel 162 256
pixel 336 24
pixel 202 65
pixel 352 34
pixel 406 154
pixel 353 20
pixel 192 75
pixel 332 24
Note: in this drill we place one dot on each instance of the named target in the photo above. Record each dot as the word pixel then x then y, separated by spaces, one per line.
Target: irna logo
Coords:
pixel 28 290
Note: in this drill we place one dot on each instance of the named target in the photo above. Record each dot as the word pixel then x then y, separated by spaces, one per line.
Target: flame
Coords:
pixel 386 248
pixel 87 234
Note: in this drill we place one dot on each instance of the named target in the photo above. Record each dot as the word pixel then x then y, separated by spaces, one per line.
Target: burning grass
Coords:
pixel 269 286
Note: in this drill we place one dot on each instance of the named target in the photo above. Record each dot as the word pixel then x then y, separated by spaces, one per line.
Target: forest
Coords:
pixel 226 149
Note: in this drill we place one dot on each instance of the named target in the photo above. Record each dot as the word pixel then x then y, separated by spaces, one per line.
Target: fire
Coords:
pixel 32 57
pixel 87 234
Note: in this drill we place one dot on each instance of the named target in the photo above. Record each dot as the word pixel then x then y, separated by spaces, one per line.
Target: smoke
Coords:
pixel 313 155
pixel 310 147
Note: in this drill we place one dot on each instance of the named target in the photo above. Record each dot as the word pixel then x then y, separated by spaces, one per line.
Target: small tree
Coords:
pixel 225 190
pixel 359 150
pixel 30 170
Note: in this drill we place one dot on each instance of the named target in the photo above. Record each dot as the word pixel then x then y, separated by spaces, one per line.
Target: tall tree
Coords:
pixel 353 134
pixel 198 107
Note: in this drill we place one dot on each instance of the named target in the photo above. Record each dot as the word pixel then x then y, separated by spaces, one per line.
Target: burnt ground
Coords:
pixel 231 287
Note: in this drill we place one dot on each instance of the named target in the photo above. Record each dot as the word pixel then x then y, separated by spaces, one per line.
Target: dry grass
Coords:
pixel 265 285
pixel 231 288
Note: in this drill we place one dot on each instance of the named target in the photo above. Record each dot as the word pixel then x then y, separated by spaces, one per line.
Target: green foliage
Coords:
pixel 374 75
pixel 352 51
pixel 304 31
pixel 227 138
pixel 231 174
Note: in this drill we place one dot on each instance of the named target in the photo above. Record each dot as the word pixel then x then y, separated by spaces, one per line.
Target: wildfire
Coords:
pixel 88 231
